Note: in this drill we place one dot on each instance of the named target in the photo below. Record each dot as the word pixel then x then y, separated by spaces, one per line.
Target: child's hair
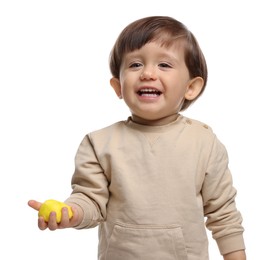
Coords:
pixel 167 31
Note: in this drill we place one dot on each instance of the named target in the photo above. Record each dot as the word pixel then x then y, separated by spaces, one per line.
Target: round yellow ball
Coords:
pixel 53 205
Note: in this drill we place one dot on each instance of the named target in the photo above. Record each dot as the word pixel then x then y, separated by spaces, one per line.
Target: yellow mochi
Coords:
pixel 53 205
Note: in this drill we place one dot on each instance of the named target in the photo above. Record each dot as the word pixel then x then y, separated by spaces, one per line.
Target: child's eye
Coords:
pixel 164 65
pixel 135 65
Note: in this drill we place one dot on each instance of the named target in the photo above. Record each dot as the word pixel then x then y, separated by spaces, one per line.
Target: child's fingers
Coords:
pixel 42 224
pixel 52 223
pixel 34 204
pixel 65 218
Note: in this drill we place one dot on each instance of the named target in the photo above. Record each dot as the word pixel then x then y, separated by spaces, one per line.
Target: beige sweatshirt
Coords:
pixel 150 189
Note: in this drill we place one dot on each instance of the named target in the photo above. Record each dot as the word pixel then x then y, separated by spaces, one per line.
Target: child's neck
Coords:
pixel 155 122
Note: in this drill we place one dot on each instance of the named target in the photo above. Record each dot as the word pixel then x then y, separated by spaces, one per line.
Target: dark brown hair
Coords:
pixel 166 30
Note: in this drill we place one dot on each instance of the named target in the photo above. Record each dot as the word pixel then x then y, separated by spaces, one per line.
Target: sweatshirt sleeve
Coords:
pixel 90 186
pixel 223 218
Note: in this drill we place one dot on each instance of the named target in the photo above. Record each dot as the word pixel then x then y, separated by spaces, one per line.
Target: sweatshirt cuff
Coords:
pixel 90 217
pixel 229 244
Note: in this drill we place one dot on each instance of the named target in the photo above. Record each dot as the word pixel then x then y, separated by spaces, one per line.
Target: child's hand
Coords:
pixel 52 224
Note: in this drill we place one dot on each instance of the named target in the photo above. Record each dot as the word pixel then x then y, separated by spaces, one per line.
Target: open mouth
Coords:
pixel 149 92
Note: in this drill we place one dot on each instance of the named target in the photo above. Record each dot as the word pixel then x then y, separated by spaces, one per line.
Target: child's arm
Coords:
pixel 238 255
pixel 223 218
pixel 89 197
pixel 65 221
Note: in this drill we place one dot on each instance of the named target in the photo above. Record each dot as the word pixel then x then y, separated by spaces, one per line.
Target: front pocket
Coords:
pixel 146 243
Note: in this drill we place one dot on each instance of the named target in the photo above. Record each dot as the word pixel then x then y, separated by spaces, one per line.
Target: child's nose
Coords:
pixel 148 74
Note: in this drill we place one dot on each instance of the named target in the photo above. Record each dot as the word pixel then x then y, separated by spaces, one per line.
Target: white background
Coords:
pixel 54 88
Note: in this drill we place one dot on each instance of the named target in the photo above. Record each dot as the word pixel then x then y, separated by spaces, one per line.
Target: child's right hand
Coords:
pixel 52 224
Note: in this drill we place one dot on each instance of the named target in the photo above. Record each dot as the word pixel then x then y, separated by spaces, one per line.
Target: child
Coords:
pixel 149 181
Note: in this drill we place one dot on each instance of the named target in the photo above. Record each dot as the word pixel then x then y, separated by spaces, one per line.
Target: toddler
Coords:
pixel 150 181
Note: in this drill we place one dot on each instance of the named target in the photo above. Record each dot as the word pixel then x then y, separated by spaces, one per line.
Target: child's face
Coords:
pixel 154 82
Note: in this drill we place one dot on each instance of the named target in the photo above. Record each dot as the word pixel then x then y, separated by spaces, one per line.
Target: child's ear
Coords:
pixel 194 88
pixel 115 83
